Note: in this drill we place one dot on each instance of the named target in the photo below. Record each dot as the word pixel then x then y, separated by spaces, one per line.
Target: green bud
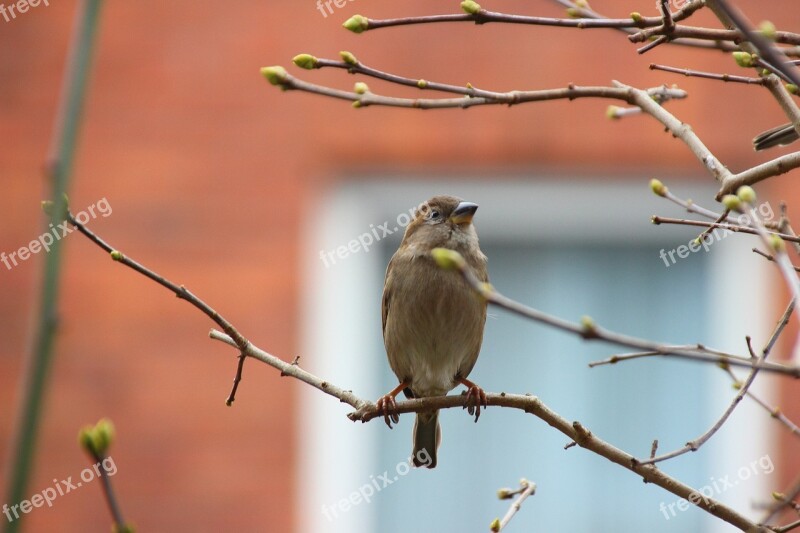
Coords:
pixel 422 84
pixel 637 17
pixel 744 59
pixel 116 255
pixel 85 439
pixel 124 528
pixel 503 494
pixel 48 206
pixel 361 87
pixel 276 75
pixel 486 289
pixel 357 24
pixel 731 202
pixel 573 13
pixel 776 243
pixel 587 323
pixel 356 104
pixel 470 7
pixel 495 525
pixel 104 434
pixel 612 112
pixel 658 188
pixel 746 194
pixel 447 259
pixel 767 29
pixel 778 496
pixel 792 88
pixel 306 61
pixel 583 4
pixel 348 58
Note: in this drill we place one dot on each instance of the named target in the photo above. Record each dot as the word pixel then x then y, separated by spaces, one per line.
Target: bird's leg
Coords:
pixel 475 397
pixel 387 406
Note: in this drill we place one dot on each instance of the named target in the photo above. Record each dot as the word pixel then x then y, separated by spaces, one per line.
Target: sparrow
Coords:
pixel 778 136
pixel 432 320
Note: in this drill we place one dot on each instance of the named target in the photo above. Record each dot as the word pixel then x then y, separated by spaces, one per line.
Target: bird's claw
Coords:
pixel 475 399
pixel 388 408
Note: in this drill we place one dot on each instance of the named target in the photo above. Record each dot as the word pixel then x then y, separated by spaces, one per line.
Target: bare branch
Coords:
pixel 708 75
pixel 526 489
pixel 695 444
pixel 751 176
pixel 729 227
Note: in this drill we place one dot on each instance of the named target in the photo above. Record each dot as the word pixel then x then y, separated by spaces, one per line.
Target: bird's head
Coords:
pixel 442 222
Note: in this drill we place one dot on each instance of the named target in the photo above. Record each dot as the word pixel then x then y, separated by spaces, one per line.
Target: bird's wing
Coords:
pixel 387 296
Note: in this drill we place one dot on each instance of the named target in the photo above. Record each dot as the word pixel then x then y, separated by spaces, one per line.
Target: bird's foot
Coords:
pixel 388 407
pixel 475 398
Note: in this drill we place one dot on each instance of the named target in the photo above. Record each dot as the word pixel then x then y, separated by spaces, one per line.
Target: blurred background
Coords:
pixel 237 190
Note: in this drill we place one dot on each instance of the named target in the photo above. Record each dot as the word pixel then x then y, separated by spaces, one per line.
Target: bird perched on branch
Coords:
pixel 432 320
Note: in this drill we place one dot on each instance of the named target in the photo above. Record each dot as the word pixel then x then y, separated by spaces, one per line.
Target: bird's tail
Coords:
pixel 427 437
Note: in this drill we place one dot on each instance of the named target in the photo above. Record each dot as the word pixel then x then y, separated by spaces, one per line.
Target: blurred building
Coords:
pixel 237 190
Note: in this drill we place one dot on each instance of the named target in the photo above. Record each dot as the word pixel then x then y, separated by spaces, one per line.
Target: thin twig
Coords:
pixel 785 501
pixel 180 291
pixel 774 412
pixel 288 82
pixel 768 257
pixel 708 75
pixel 695 444
pixel 729 227
pixel 354 66
pixel 111 499
pixel 526 489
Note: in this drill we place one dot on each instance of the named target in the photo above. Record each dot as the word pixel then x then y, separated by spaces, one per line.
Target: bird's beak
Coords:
pixel 463 213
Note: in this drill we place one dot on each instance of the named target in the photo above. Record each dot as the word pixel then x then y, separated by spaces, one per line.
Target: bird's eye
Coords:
pixel 433 214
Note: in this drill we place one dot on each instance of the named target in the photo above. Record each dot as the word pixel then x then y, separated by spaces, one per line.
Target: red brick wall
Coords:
pixel 210 171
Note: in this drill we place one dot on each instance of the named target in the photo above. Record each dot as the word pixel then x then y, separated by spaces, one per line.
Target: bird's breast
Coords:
pixel 434 327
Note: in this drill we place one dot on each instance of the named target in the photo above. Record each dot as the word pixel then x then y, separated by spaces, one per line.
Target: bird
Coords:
pixel 778 136
pixel 433 321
